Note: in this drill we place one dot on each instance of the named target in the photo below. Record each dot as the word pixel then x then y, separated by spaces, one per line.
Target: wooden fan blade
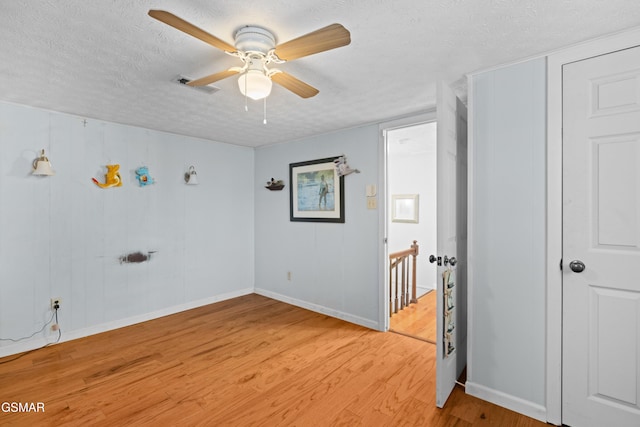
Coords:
pixel 212 78
pixel 296 86
pixel 192 30
pixel 326 38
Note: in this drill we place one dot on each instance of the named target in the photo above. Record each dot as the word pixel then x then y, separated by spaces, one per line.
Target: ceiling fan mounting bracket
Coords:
pixel 255 47
pixel 251 39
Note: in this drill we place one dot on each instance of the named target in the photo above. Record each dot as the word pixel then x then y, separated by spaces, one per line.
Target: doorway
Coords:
pixel 412 216
pixel 451 236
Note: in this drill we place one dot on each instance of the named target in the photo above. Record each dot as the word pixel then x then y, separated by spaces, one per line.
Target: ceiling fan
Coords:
pixel 257 49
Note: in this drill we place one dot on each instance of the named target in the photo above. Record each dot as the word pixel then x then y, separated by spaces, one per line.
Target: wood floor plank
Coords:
pixel 418 319
pixel 241 362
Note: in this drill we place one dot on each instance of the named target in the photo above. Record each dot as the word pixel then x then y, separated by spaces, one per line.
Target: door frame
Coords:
pixel 555 62
pixel 383 208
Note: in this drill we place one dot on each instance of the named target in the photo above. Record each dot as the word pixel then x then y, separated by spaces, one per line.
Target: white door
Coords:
pixel 601 230
pixel 451 357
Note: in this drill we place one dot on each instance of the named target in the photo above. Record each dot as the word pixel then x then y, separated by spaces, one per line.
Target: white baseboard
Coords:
pixel 423 290
pixel 120 323
pixel 513 403
pixel 367 323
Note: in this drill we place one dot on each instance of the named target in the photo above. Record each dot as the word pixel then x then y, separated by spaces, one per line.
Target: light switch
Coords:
pixel 371 190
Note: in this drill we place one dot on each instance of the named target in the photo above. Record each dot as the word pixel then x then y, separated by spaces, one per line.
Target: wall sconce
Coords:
pixel 191 177
pixel 42 166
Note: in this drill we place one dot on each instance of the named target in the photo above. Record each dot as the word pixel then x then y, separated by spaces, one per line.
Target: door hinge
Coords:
pixel 560 264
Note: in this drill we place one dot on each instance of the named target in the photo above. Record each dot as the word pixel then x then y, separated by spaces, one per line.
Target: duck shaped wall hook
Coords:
pixel 275 185
pixel 342 167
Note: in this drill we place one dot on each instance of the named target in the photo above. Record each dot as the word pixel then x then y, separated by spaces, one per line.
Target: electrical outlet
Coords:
pixel 288 275
pixel 56 303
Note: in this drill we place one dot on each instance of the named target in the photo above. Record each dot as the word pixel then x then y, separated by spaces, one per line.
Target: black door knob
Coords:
pixel 577 266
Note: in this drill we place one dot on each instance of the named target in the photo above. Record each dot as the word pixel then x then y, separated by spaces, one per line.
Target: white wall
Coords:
pixel 507 238
pixel 62 236
pixel 412 170
pixel 334 267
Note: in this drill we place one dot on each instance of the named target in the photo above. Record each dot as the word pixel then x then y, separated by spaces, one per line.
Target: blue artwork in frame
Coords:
pixel 316 191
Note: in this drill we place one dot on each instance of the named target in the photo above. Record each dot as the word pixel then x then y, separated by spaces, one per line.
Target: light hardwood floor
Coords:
pixel 418 320
pixel 246 361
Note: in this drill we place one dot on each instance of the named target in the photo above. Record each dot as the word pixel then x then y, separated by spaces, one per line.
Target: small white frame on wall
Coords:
pixel 404 208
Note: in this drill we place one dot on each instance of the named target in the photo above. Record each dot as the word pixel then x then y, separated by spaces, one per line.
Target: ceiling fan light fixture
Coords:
pixel 255 84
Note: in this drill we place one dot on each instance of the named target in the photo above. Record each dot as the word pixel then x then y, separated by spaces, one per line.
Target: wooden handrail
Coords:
pixel 399 260
pixel 400 254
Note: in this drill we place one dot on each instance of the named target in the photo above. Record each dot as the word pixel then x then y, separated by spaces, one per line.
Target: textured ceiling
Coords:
pixel 109 60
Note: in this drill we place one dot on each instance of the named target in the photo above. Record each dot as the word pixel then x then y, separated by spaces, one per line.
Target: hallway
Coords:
pixel 417 320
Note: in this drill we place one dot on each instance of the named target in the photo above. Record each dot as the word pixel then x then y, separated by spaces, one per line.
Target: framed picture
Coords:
pixel 316 191
pixel 404 208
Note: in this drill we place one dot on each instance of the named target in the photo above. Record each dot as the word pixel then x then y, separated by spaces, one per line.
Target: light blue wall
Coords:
pixel 62 236
pixel 334 267
pixel 507 256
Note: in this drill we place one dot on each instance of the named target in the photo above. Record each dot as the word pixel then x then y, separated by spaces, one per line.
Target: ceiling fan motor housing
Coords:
pixel 254 39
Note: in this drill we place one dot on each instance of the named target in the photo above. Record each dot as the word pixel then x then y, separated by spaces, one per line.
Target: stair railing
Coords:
pixel 402 270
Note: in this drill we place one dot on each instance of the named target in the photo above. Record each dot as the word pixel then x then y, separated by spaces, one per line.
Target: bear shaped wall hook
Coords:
pixel 111 178
pixel 143 177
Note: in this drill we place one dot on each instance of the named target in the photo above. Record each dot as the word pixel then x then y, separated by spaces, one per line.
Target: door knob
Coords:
pixel 577 266
pixel 433 258
pixel 453 261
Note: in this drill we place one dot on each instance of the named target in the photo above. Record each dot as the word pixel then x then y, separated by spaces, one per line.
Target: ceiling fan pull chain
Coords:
pixel 246 105
pixel 265 111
